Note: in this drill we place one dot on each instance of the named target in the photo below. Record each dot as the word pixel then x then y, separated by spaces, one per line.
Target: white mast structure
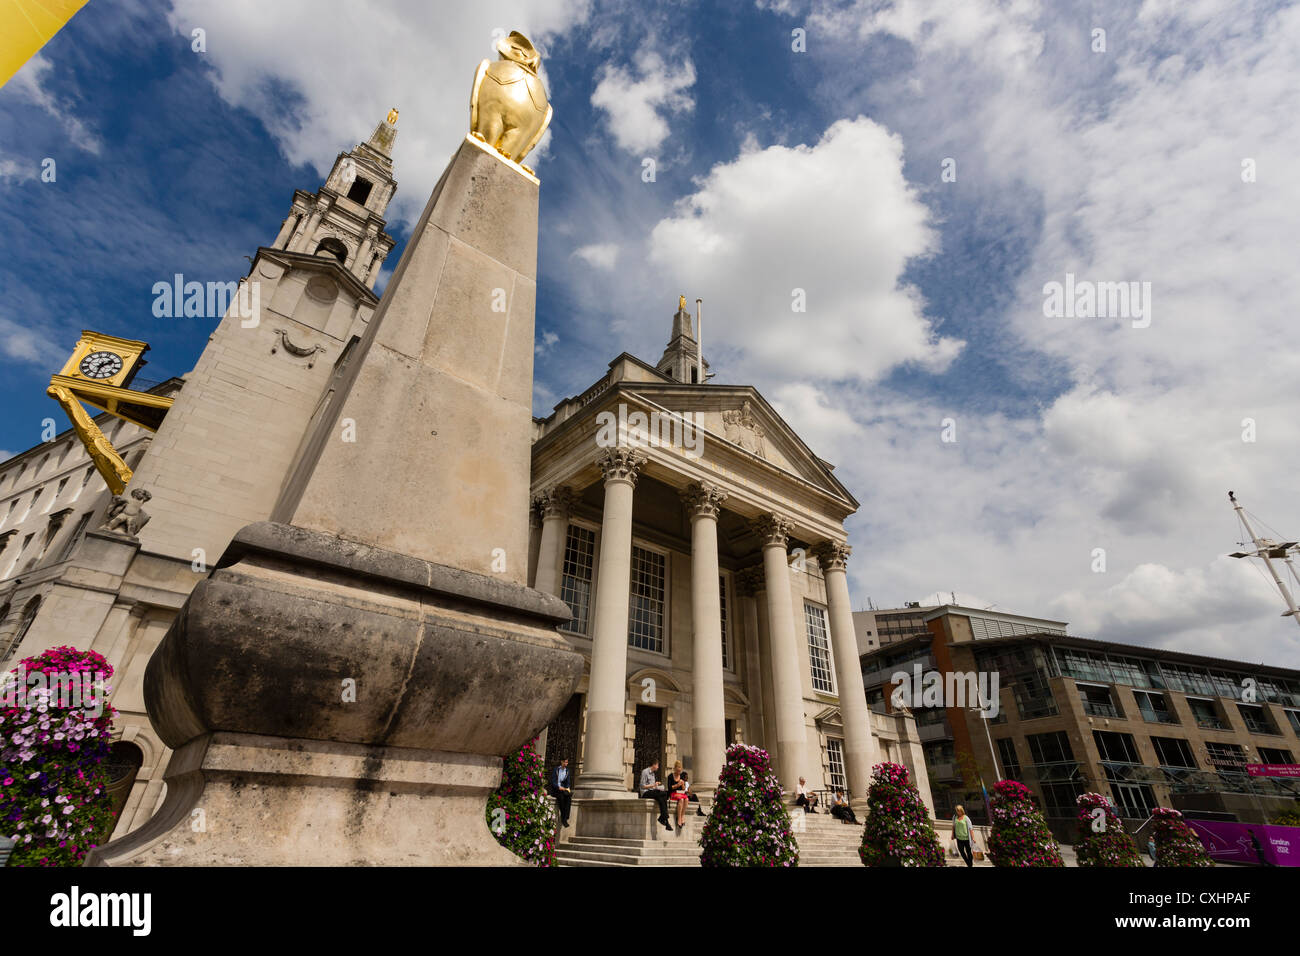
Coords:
pixel 699 339
pixel 1269 550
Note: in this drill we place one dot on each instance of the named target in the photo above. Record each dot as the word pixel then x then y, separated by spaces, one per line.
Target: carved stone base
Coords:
pixel 333 703
pixel 244 800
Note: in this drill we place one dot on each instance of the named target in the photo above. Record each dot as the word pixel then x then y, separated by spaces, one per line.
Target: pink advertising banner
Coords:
pixel 1273 769
pixel 1249 843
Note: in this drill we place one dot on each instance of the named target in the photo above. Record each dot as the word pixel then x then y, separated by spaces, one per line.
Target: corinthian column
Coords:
pixel 602 764
pixel 859 747
pixel 787 684
pixel 554 504
pixel 708 733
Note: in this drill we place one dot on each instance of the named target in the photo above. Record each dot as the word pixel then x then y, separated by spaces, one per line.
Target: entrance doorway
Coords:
pixel 1133 800
pixel 562 737
pixel 649 743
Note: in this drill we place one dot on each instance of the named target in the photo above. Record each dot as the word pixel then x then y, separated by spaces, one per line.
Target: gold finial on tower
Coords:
pixel 392 116
pixel 681 303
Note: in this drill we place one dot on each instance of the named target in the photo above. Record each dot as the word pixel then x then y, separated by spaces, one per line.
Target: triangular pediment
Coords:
pixel 741 417
pixel 325 265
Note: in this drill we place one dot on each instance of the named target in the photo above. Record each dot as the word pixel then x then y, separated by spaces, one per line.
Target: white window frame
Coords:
pixel 591 584
pixel 665 624
pixel 824 620
pixel 835 754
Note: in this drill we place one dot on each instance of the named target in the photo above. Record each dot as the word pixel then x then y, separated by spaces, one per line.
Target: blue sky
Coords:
pixel 777 170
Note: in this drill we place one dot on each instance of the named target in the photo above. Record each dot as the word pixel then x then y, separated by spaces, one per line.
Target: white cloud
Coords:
pixel 26 343
pixel 821 424
pixel 13 171
pixel 601 255
pixel 32 82
pixel 636 104
pixel 344 66
pixel 544 342
pixel 1205 608
pixel 827 228
pixel 1117 167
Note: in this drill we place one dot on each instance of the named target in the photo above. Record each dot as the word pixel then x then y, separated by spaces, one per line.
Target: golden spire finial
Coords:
pixel 681 303
pixel 392 116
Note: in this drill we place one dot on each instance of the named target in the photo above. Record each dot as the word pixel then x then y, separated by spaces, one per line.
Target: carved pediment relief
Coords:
pixel 741 428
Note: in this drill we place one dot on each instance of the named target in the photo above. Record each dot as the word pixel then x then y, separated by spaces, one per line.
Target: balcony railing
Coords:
pixel 1096 709
pixel 933 731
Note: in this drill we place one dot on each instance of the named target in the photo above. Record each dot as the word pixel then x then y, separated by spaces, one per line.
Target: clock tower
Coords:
pixel 99 372
pixel 344 219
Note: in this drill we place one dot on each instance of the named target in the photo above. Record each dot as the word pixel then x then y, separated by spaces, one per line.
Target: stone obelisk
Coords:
pixel 341 688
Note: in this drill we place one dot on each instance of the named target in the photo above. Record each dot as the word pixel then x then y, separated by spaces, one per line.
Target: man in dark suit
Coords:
pixel 562 789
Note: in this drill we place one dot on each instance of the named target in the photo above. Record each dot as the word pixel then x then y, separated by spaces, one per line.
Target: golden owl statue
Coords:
pixel 508 108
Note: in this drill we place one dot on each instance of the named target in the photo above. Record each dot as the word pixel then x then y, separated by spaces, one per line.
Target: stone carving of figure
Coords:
pixel 127 517
pixel 509 109
pixel 741 428
pixel 347 174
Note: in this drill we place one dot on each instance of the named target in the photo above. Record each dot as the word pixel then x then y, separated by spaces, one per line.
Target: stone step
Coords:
pixel 594 858
pixel 648 852
pixel 611 859
pixel 581 862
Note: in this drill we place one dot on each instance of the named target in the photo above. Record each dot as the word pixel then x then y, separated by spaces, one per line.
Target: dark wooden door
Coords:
pixel 562 738
pixel 649 744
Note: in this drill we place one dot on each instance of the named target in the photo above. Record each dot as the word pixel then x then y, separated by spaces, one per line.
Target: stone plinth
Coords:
pixel 635 819
pixel 333 703
pixel 246 800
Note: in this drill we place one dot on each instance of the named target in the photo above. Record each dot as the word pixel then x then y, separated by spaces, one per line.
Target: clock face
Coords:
pixel 101 365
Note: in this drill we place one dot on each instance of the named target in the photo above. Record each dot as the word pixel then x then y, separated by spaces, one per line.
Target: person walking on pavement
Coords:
pixel 961 832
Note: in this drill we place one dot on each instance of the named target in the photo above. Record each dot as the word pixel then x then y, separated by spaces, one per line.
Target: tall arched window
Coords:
pixel 122 766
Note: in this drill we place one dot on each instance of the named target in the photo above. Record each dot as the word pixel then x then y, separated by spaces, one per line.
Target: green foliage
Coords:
pixel 1288 818
pixel 1176 843
pixel 749 826
pixel 55 729
pixel 1100 839
pixel 519 812
pixel 1019 836
pixel 898 831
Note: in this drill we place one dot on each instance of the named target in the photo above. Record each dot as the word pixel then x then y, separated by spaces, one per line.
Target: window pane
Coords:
pixel 835 754
pixel 1010 761
pixel 645 625
pixel 575 579
pixel 818 648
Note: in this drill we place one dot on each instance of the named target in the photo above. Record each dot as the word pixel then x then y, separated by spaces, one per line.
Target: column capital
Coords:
pixel 749 581
pixel 772 530
pixel 703 499
pixel 555 502
pixel 832 555
pixel 621 464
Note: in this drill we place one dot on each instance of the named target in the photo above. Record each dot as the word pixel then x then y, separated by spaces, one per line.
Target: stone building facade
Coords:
pixel 700 545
